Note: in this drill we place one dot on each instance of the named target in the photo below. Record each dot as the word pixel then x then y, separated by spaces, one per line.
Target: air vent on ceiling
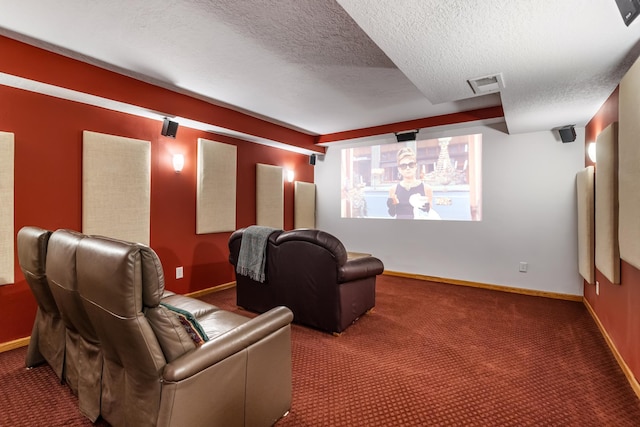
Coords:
pixel 487 84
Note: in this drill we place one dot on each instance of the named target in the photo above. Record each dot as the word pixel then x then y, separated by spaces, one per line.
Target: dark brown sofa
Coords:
pixel 309 272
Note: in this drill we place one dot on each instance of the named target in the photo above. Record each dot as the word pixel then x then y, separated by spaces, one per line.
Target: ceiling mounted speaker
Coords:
pixel 407 136
pixel 629 10
pixel 169 128
pixel 567 133
pixel 312 160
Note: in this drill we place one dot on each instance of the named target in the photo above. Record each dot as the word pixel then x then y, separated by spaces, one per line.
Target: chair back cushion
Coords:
pixel 118 282
pixel 32 253
pixel 83 357
pixel 318 238
pixel 48 333
pixel 61 272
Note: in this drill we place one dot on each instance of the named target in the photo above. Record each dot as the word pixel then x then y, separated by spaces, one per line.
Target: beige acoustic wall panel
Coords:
pixel 6 208
pixel 116 187
pixel 216 188
pixel 304 198
pixel 629 166
pixel 586 225
pixel 269 196
pixel 607 250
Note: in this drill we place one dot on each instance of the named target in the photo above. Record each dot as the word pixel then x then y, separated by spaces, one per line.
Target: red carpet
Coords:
pixel 445 355
pixel 428 355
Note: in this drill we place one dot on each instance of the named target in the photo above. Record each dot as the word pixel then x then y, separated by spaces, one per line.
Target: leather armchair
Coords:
pixel 154 373
pixel 47 342
pixel 309 271
pixel 83 357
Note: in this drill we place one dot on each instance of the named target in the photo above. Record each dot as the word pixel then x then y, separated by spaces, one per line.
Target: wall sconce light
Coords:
pixel 178 162
pixel 591 151
pixel 290 175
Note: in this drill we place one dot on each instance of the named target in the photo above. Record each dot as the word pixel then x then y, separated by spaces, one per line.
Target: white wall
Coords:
pixel 529 214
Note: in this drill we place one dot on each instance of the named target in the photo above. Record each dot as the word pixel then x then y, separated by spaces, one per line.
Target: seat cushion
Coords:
pixel 192 305
pixel 220 321
pixel 182 323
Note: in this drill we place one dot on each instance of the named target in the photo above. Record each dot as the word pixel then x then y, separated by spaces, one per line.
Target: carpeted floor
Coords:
pixel 428 355
pixel 444 355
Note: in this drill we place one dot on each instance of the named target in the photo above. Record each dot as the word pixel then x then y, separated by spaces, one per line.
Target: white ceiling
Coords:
pixel 326 66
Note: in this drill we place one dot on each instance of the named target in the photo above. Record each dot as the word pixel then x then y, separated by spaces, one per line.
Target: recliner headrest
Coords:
pixel 61 258
pixel 32 249
pixel 32 253
pixel 123 277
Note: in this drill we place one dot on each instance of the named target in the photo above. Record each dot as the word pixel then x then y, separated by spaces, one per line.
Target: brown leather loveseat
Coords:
pixel 163 359
pixel 309 271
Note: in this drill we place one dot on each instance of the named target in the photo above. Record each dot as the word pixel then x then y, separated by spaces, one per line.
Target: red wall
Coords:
pixel 36 64
pixel 617 306
pixel 48 185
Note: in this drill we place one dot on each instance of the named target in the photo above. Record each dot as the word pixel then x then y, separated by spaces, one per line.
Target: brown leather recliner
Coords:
pixel 83 357
pixel 47 342
pixel 155 373
pixel 309 271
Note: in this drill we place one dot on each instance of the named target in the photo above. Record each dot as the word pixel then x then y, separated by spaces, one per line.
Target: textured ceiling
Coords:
pixel 323 66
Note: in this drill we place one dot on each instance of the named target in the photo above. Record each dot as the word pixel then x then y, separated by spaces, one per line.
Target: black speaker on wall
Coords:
pixel 407 136
pixel 567 133
pixel 169 128
pixel 312 160
pixel 629 9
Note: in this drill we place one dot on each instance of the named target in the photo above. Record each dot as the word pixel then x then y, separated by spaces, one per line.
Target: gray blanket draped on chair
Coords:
pixel 253 252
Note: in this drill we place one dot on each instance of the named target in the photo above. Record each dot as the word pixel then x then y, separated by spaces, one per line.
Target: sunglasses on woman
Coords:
pixel 407 165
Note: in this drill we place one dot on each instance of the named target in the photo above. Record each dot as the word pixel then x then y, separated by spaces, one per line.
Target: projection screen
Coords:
pixel 434 179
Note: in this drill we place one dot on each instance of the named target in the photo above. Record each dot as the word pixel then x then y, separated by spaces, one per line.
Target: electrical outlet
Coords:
pixel 523 267
pixel 179 273
pixel 597 288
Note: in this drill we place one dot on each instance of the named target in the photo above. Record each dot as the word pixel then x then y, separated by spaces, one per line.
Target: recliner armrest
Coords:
pixel 225 345
pixel 359 268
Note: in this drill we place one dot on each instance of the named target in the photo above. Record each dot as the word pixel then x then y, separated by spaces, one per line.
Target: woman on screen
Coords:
pixel 410 198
